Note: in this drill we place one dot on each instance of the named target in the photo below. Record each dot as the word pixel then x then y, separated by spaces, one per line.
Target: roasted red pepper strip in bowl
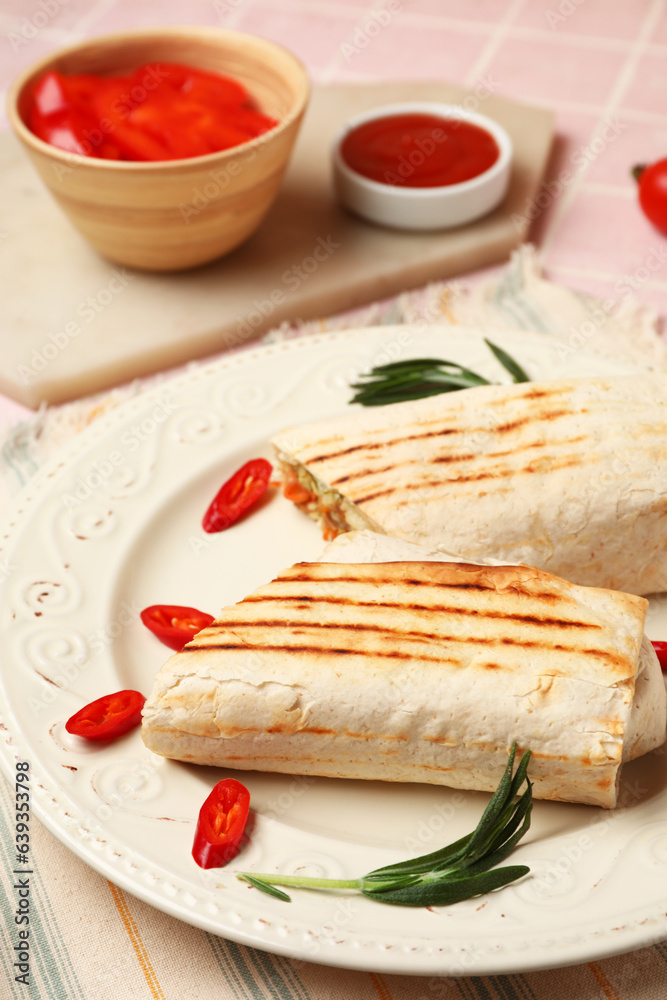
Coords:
pixel 661 652
pixel 175 624
pixel 107 717
pixel 222 820
pixel 237 495
pixel 161 111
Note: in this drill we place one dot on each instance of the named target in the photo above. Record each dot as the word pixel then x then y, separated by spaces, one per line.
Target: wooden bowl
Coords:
pixel 173 214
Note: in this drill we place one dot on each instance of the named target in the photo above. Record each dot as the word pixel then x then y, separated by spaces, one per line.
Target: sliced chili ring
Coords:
pixel 175 624
pixel 108 717
pixel 237 495
pixel 222 820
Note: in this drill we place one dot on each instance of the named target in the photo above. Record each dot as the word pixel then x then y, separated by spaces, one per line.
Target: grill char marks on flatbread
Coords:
pixel 410 671
pixel 352 627
pixel 569 476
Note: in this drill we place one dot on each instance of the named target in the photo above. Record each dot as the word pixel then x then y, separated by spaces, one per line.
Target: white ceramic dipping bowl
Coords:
pixel 403 207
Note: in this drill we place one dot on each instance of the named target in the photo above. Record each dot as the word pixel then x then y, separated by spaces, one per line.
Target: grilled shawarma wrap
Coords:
pixel 417 671
pixel 569 476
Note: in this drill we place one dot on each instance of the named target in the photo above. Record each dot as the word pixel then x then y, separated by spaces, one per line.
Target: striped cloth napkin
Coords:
pixel 90 940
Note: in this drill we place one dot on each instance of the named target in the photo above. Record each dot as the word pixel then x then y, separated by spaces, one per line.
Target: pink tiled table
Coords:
pixel 602 68
pixel 600 64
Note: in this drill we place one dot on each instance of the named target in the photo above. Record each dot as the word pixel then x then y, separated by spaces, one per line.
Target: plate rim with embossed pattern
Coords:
pixel 315 372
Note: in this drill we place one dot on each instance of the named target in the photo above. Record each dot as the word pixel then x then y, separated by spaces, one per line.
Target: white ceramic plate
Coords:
pixel 113 526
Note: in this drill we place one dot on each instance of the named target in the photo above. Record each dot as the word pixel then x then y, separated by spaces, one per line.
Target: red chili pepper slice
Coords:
pixel 174 624
pixel 661 652
pixel 237 495
pixel 222 820
pixel 107 717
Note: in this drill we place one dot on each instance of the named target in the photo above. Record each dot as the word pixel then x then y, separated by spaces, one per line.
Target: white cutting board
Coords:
pixel 74 323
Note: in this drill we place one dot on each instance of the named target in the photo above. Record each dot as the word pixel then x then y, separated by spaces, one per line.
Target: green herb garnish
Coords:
pixel 515 369
pixel 416 378
pixel 459 871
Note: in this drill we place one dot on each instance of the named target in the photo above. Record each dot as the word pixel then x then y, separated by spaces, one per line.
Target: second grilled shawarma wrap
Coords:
pixel 417 671
pixel 569 476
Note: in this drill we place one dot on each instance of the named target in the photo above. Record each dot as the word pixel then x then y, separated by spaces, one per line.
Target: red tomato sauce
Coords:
pixel 419 150
pixel 161 111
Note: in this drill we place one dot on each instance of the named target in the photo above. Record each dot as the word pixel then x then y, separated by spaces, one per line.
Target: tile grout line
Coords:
pixel 497 37
pixel 617 91
pixel 437 22
pixel 316 6
pixel 82 26
pixel 525 33
pixel 328 74
pixel 231 20
pixel 605 43
pixel 600 187
pixel 606 276
pixel 434 22
pixel 645 117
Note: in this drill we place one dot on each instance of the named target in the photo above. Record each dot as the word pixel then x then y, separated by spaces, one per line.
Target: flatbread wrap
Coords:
pixel 417 670
pixel 569 476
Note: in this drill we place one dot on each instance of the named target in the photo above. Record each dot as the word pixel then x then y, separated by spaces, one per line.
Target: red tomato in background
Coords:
pixel 653 193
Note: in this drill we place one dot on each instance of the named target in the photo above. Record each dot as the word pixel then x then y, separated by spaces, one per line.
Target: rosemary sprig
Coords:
pixel 417 378
pixel 453 873
pixel 515 369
